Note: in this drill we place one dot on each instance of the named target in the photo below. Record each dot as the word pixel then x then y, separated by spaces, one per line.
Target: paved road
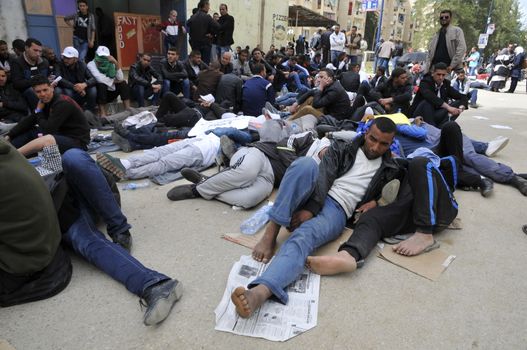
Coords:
pixel 480 302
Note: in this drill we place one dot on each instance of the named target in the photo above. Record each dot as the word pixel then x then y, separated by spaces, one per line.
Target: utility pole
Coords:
pixel 379 27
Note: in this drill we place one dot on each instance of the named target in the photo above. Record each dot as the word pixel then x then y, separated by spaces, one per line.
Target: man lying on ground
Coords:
pixel 424 205
pixel 254 170
pixel 315 202
pixel 195 152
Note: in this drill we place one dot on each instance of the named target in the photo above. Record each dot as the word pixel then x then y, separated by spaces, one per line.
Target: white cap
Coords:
pixel 102 51
pixel 208 98
pixel 70 52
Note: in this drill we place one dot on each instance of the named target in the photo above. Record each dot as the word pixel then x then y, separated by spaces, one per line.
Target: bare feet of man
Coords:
pixel 332 264
pixel 418 243
pixel 264 250
pixel 249 300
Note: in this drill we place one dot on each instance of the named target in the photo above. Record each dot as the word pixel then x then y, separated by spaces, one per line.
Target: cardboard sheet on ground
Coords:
pixel 429 265
pixel 250 241
pixel 273 320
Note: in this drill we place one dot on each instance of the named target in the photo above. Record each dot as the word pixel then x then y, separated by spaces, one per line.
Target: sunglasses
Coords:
pixel 444 17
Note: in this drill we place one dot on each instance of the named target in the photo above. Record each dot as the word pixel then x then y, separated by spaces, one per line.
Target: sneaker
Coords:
pixel 389 192
pixel 122 142
pixel 496 145
pixel 228 147
pixel 193 175
pixel 159 299
pixel 474 105
pixel 112 164
pixel 183 192
pixel 124 239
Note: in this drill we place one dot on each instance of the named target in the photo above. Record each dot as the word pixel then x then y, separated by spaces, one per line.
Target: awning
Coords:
pixel 307 18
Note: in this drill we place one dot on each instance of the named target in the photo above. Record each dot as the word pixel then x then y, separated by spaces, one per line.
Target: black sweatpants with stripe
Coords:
pixel 425 203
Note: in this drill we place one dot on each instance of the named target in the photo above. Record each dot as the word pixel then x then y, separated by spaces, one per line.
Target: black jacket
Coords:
pixel 176 72
pixel 428 91
pixel 285 152
pixel 192 76
pixel 402 95
pixel 230 89
pixel 337 161
pixel 334 100
pixel 199 25
pixel 21 72
pixel 377 80
pixel 226 29
pixel 143 76
pixel 12 102
pixel 79 74
pixel 62 116
pixel 350 81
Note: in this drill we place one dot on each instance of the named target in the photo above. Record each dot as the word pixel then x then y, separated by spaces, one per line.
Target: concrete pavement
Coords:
pixel 480 302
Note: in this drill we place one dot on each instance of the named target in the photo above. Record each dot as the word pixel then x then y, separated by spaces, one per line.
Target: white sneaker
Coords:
pixel 496 145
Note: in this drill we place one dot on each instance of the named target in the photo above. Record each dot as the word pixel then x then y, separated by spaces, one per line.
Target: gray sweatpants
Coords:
pixel 159 160
pixel 247 182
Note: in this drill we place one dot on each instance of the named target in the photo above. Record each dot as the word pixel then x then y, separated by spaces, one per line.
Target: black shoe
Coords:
pixel 159 299
pixel 182 192
pixel 124 239
pixel 486 187
pixel 121 130
pixel 322 130
pixel 193 175
pixel 520 183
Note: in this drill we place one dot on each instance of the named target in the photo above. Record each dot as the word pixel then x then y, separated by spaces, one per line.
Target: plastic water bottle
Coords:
pixel 256 221
pixel 134 186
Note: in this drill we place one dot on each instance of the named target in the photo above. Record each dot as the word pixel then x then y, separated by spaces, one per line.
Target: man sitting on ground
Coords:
pixel 12 105
pixel 432 100
pixel 194 65
pixel 257 91
pixel 175 78
pixel 140 80
pixel 77 82
pixel 462 83
pixel 26 66
pixel 241 67
pixel 60 121
pixel 394 95
pixel 225 62
pixel 315 202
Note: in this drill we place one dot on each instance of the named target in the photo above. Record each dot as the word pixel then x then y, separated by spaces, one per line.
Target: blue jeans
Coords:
pixel 81 46
pixel 473 96
pixel 287 99
pixel 176 87
pixel 334 55
pixel 297 185
pixel 383 62
pixel 479 147
pixel 472 71
pixel 94 196
pixel 140 92
pixel 297 79
pixel 90 98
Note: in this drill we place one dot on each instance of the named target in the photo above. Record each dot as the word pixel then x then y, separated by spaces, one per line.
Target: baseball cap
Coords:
pixel 70 52
pixel 102 51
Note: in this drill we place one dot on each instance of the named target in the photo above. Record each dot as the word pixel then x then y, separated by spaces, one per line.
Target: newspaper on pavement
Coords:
pixel 273 320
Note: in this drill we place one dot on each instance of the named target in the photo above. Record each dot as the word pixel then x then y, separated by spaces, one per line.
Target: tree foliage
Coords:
pixel 471 16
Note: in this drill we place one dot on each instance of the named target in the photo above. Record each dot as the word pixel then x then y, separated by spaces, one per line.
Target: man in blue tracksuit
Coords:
pixel 256 92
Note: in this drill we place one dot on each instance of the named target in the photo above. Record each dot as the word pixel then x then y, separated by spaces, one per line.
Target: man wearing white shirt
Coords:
pixel 337 41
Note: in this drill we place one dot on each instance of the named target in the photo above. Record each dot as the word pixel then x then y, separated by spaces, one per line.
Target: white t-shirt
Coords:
pixel 349 189
pixel 208 146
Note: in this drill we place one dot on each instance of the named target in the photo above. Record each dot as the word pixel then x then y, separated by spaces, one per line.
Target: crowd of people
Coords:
pixel 342 150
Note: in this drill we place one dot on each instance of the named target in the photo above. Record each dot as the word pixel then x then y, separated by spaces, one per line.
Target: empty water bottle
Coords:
pixel 134 186
pixel 256 221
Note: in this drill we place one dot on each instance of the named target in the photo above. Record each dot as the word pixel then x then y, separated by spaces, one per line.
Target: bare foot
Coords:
pixel 264 250
pixel 332 264
pixel 249 300
pixel 415 245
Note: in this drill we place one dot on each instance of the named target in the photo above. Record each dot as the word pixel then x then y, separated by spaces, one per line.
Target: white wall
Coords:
pixel 12 21
pixel 249 28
